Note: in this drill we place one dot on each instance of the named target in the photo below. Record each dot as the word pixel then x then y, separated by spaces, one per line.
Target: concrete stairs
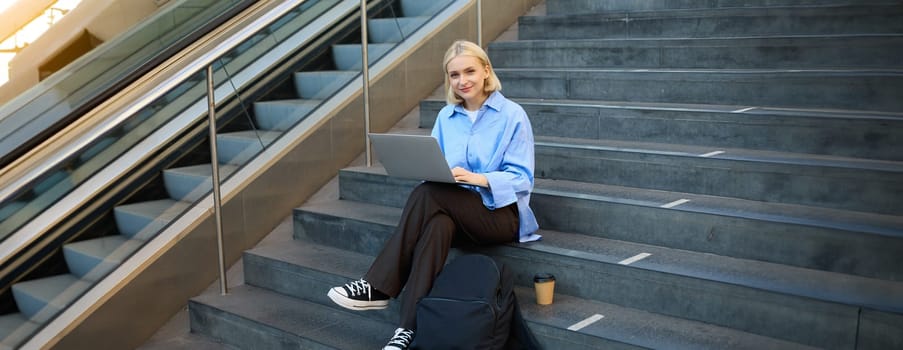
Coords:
pixel 852 134
pixel 732 189
pixel 709 21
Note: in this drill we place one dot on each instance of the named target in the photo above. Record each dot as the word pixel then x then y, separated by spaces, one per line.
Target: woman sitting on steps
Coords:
pixel 488 142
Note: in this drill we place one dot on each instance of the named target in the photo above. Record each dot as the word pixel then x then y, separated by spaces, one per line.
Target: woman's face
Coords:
pixel 467 75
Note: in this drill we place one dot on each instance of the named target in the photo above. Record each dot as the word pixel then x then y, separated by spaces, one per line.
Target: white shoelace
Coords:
pixel 402 338
pixel 358 288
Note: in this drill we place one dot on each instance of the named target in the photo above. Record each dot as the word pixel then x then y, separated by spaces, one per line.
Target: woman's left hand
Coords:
pixel 462 175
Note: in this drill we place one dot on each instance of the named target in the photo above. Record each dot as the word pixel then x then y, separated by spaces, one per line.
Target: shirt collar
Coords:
pixel 494 101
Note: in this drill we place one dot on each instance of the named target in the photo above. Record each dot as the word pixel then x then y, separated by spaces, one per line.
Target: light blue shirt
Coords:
pixel 499 145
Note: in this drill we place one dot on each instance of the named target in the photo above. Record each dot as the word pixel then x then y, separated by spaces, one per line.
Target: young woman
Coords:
pixel 488 143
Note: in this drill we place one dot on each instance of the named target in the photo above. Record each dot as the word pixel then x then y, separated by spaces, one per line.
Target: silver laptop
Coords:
pixel 415 157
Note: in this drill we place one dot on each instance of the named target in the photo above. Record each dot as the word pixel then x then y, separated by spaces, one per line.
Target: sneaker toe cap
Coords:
pixel 338 291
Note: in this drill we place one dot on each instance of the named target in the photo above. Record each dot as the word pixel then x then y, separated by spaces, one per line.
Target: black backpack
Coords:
pixel 472 306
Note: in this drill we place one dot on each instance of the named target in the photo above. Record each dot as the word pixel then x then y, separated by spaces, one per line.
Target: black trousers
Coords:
pixel 435 216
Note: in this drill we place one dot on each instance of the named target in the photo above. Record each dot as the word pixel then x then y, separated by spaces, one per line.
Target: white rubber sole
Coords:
pixel 356 305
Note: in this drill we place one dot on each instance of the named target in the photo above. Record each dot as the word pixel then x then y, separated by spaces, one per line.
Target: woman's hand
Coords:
pixel 462 175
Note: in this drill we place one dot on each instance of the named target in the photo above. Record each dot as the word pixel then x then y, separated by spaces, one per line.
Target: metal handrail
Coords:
pixel 83 96
pixel 228 43
pixel 480 23
pixel 365 74
pixel 214 164
pixel 14 243
pixel 197 65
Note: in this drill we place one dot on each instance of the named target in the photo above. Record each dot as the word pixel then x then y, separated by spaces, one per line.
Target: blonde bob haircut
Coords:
pixel 466 48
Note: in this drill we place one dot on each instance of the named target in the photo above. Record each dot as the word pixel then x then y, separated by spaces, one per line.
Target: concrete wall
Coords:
pixel 102 19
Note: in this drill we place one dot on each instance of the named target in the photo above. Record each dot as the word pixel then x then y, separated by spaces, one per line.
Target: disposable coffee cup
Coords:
pixel 545 288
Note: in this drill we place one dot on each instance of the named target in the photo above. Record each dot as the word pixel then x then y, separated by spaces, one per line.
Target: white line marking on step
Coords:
pixel 582 324
pixel 744 110
pixel 675 203
pixel 634 258
pixel 711 154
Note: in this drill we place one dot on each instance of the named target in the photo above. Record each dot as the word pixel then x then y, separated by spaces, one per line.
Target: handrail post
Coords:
pixel 365 73
pixel 480 23
pixel 217 203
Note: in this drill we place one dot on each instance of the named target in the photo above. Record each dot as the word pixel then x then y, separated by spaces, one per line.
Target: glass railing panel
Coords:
pixel 180 102
pixel 48 189
pixel 28 202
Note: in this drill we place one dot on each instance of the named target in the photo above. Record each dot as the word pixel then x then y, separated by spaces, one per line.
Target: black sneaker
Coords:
pixel 401 340
pixel 358 295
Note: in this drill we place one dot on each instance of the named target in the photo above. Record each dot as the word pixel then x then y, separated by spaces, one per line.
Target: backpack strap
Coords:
pixel 521 338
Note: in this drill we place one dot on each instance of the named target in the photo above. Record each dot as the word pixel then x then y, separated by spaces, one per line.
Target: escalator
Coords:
pixel 125 151
pixel 45 109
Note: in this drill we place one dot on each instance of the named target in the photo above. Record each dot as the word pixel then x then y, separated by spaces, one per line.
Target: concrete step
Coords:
pixel 869 90
pixel 255 318
pixel 280 115
pixel 854 51
pixel 185 341
pixel 143 220
pixel 818 238
pixel 812 307
pixel 787 234
pixel 602 6
pixel 190 183
pixel 716 23
pixel 851 134
pixel 775 177
pixel 853 184
pixel 306 270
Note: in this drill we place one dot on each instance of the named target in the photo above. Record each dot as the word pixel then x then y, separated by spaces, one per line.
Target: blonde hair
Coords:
pixel 466 48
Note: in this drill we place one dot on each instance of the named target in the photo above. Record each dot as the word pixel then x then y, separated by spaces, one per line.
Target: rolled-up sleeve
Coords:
pixel 515 174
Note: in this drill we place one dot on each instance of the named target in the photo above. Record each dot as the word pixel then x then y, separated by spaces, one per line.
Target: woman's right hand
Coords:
pixel 464 176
